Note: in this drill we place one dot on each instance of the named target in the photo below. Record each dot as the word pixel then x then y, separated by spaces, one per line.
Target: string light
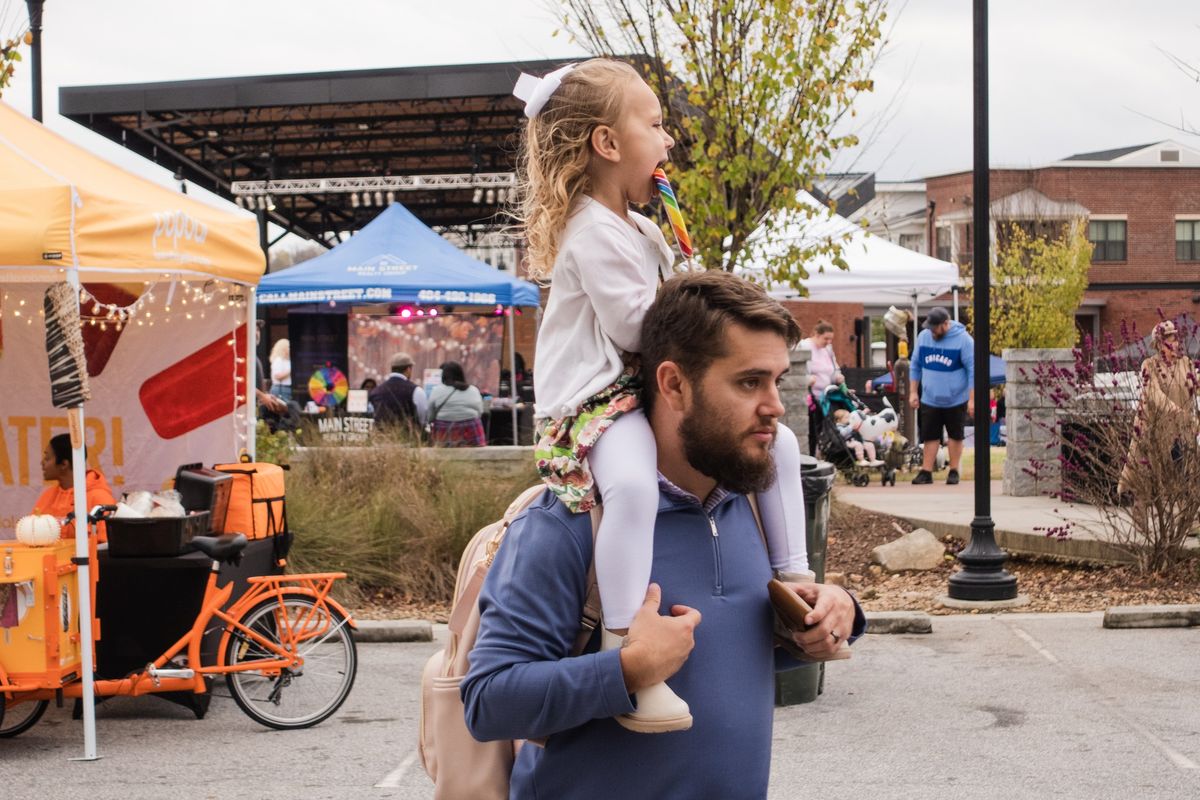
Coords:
pixel 202 298
pixel 225 296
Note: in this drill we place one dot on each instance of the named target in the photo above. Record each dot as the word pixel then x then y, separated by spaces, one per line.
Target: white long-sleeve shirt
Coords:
pixel 605 277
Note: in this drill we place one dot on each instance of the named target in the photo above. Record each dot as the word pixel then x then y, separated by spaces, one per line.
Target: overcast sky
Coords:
pixel 1067 76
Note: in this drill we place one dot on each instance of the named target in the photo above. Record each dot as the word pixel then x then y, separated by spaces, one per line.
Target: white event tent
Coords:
pixel 880 273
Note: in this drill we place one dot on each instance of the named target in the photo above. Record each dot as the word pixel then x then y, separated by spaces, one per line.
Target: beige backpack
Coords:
pixel 461 767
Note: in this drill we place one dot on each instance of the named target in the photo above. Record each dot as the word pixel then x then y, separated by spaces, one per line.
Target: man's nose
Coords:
pixel 772 404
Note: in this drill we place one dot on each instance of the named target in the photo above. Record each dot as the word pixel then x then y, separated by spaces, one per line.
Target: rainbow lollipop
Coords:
pixel 674 214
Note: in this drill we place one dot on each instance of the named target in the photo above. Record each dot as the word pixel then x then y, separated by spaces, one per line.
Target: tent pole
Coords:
pixel 512 371
pixel 955 289
pixel 251 360
pixel 82 556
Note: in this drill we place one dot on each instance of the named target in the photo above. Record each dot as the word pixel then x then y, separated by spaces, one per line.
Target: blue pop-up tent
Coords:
pixel 396 258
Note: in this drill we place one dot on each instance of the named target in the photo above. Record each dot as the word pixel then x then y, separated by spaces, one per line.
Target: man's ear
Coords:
pixel 604 143
pixel 673 386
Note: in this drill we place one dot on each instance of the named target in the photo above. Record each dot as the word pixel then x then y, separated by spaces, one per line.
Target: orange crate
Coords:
pixel 44 646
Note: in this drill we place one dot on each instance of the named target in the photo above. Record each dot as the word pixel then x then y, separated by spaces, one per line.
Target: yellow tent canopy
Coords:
pixel 62 207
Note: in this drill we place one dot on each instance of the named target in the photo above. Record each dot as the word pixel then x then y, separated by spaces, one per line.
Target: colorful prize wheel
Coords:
pixel 328 386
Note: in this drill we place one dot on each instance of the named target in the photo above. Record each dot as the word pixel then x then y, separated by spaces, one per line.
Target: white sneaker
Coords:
pixel 659 709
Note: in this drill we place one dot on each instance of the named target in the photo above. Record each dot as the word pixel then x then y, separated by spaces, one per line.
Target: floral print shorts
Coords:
pixel 563 444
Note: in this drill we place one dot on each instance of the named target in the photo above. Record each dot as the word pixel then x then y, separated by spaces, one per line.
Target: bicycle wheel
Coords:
pixel 300 696
pixel 17 718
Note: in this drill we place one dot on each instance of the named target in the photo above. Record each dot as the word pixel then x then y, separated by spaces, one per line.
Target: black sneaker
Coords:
pixel 923 477
pixel 952 477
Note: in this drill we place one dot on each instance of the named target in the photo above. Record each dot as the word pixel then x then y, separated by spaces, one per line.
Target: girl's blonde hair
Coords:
pixel 281 349
pixel 552 171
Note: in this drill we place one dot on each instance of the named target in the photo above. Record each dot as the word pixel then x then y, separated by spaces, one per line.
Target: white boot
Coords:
pixel 659 710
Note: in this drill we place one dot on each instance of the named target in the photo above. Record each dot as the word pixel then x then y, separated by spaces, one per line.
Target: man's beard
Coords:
pixel 711 445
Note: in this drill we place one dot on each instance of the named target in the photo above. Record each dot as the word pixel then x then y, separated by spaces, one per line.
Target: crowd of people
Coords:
pixel 449 414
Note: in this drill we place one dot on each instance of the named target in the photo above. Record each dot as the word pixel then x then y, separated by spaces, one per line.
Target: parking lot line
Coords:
pixel 393 778
pixel 1174 756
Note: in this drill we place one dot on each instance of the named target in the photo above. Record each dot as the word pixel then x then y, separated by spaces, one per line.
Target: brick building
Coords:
pixel 1142 205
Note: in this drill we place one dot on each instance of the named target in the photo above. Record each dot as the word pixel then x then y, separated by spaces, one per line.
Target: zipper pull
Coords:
pixel 712 523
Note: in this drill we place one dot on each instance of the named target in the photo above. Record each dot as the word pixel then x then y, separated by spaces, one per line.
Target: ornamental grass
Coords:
pixel 394 517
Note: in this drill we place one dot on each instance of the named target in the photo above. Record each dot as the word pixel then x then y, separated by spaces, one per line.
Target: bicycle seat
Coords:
pixel 226 548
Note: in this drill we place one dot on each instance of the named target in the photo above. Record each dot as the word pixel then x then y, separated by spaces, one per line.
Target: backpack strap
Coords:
pixel 802 577
pixel 762 531
pixel 590 619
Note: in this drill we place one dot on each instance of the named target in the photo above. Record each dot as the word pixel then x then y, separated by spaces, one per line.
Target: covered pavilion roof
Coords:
pixel 382 123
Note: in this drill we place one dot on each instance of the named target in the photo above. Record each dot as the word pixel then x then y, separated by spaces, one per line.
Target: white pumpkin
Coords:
pixel 38 530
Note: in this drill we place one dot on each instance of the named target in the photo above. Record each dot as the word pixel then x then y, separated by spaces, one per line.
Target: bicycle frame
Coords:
pixel 315 586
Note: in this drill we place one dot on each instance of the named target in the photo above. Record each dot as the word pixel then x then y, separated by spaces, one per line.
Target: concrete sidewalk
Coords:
pixel 1021 522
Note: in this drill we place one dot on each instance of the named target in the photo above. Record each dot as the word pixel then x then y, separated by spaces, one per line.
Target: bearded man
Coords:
pixel 714 349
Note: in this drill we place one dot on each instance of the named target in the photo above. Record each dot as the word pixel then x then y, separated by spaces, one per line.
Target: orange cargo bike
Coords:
pixel 286 649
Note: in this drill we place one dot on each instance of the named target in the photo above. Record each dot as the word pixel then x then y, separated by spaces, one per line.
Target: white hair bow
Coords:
pixel 536 91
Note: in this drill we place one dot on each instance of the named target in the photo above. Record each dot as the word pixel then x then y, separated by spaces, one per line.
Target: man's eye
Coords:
pixel 750 383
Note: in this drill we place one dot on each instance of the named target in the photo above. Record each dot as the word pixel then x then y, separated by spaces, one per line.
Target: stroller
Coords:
pixel 835 450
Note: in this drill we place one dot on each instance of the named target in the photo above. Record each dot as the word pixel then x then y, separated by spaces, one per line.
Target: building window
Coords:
pixel 1187 240
pixel 943 243
pixel 913 241
pixel 1108 239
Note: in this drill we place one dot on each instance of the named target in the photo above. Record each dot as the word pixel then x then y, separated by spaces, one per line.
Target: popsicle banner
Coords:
pixel 161 396
pixel 671 204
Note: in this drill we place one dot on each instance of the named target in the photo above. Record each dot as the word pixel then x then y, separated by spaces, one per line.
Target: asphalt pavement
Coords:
pixel 985 706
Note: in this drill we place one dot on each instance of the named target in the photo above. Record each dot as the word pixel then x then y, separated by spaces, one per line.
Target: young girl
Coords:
pixel 863 450
pixel 593 141
pixel 281 369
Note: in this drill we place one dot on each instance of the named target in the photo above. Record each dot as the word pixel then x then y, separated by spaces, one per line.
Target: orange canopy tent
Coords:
pixel 63 207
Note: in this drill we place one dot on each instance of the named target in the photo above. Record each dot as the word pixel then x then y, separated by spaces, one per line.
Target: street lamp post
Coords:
pixel 35 54
pixel 982 576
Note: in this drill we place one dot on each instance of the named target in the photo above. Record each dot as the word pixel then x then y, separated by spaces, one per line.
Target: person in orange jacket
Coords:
pixel 58 499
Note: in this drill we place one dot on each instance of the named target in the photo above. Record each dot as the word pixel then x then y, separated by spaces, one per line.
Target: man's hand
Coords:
pixel 270 402
pixel 832 618
pixel 656 645
pixel 913 400
pixel 970 409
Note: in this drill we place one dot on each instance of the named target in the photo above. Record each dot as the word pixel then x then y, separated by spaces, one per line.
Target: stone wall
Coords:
pixel 794 394
pixel 1031 419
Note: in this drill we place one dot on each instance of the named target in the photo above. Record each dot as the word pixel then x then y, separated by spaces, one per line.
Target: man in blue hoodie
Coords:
pixel 943 387
pixel 714 348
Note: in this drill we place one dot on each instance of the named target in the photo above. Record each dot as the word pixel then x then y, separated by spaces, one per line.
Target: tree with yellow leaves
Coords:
pixel 1037 285
pixel 756 92
pixel 10 54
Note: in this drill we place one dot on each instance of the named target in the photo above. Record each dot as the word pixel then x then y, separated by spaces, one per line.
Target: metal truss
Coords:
pixel 393 183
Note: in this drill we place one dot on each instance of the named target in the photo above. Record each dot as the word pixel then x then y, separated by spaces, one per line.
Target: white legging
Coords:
pixel 624 466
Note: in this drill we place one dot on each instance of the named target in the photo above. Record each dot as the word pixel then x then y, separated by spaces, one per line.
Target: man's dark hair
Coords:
pixel 686 323
pixel 61 445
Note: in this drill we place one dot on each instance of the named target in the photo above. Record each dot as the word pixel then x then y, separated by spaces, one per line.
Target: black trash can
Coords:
pixel 804 684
